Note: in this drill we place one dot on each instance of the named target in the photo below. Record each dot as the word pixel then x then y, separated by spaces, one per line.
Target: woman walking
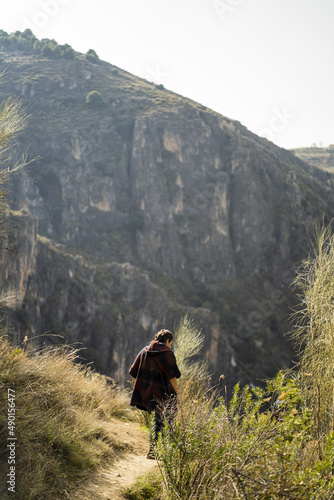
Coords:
pixel 156 374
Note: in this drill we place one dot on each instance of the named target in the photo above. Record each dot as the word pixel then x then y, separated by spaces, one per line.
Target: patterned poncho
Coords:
pixel 154 366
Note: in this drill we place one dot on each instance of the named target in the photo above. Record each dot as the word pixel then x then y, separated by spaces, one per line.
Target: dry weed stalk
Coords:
pixel 314 333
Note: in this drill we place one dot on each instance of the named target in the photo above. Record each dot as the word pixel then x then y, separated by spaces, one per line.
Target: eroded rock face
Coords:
pixel 149 208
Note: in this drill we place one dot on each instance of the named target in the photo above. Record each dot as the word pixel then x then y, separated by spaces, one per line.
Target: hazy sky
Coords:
pixel 267 63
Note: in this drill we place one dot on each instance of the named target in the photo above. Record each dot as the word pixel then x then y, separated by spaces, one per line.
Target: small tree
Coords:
pixel 92 56
pixel 37 47
pixel 94 99
pixel 28 34
pixel 69 53
pixel 56 52
pixel 47 51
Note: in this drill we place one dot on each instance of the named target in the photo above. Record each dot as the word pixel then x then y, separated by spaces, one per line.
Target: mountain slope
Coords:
pixel 319 157
pixel 145 206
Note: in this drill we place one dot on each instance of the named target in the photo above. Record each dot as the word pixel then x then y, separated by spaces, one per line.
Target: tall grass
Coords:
pixel 12 121
pixel 146 488
pixel 262 444
pixel 188 346
pixel 315 329
pixel 62 415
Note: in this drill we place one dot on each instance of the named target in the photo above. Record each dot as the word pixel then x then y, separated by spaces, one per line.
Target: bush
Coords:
pixel 92 56
pixel 69 53
pixel 47 51
pixel 37 46
pixel 56 52
pixel 28 43
pixel 95 100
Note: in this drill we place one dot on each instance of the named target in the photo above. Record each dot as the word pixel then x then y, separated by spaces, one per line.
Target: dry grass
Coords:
pixel 63 411
pixel 12 120
pixel 315 329
pixel 147 487
pixel 188 345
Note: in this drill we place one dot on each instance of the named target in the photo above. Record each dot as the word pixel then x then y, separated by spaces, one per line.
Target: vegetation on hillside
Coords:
pixel 27 43
pixel 320 157
pixel 95 99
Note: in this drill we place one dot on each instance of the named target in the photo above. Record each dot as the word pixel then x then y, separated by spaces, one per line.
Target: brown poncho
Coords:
pixel 154 366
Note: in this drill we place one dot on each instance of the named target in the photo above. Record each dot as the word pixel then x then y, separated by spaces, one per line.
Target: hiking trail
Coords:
pixel 111 483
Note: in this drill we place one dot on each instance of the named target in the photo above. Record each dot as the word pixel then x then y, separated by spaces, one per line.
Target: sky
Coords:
pixel 266 63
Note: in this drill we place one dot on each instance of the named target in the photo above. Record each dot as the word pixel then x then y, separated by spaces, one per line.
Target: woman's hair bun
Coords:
pixel 163 336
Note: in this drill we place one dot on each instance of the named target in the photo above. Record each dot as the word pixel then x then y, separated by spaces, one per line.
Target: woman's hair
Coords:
pixel 163 336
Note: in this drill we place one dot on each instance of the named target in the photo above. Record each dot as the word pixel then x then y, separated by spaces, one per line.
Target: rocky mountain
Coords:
pixel 141 206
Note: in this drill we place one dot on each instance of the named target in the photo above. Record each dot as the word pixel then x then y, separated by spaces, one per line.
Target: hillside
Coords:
pixel 141 206
pixel 65 424
pixel 319 157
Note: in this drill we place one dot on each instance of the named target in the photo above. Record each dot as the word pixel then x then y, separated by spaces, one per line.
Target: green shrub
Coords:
pixel 69 53
pixel 47 51
pixel 95 100
pixel 56 52
pixel 29 44
pixel 92 56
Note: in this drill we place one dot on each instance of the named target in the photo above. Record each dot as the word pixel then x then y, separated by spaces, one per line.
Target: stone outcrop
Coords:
pixel 149 207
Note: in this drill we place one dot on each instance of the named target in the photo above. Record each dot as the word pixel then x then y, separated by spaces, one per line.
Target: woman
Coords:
pixel 156 374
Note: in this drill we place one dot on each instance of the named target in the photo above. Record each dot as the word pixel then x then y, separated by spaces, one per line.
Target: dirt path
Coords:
pixel 111 483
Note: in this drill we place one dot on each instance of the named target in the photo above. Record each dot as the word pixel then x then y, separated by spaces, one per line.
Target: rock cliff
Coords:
pixel 142 206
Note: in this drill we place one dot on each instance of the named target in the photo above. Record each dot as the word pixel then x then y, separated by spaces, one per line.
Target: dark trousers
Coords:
pixel 162 415
pixel 158 424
